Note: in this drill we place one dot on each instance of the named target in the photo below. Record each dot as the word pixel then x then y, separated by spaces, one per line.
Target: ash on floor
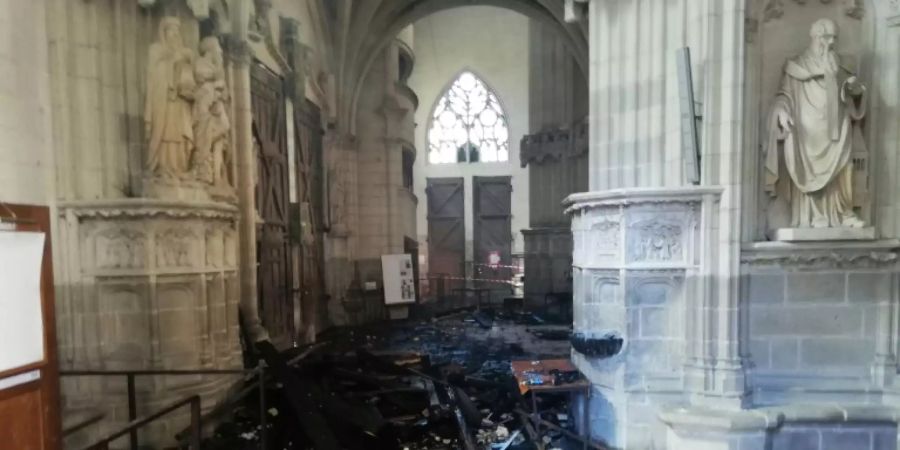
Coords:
pixel 441 383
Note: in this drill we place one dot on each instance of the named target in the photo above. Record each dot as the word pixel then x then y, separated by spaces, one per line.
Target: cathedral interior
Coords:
pixel 450 224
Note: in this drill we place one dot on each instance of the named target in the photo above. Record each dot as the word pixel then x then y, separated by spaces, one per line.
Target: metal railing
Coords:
pixel 131 429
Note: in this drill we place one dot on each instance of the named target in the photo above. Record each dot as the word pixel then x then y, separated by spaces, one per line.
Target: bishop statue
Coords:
pixel 814 128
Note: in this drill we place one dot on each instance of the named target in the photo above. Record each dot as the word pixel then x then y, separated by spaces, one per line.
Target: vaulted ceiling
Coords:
pixel 356 32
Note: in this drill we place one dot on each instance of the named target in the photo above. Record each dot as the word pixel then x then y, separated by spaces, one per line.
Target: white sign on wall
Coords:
pixel 21 320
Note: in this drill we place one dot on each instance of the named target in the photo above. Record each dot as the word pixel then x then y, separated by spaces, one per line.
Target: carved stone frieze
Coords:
pixel 822 260
pixel 811 256
pixel 774 9
pixel 174 247
pixel 149 208
pixel 553 145
pixel 653 240
pixel 120 248
pixel 215 247
pixel 606 236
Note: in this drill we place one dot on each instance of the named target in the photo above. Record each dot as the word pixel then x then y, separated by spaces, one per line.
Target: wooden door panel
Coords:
pixel 21 418
pixel 492 211
pixel 446 226
pixel 274 275
pixel 308 237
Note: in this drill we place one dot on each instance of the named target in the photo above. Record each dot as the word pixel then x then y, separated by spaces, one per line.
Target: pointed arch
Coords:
pixel 468 123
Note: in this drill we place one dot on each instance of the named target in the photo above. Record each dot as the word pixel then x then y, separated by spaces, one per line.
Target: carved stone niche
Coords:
pixel 798 204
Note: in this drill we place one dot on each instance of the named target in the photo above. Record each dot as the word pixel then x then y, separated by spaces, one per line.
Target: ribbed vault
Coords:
pixel 364 28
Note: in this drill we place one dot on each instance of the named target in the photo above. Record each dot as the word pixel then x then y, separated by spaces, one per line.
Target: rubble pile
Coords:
pixel 436 384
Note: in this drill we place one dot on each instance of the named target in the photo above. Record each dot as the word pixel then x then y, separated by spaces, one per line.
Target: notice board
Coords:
pixel 21 318
pixel 29 373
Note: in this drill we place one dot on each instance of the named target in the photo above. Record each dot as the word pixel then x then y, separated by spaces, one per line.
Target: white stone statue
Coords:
pixel 167 112
pixel 212 159
pixel 815 126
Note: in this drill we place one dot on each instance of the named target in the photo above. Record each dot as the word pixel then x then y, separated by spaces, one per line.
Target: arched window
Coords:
pixel 468 124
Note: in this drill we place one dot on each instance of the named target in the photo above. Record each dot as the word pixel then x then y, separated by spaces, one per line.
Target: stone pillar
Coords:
pixel 238 51
pixel 556 154
pixel 656 260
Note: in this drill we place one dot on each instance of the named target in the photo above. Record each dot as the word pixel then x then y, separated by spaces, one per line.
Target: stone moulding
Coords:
pixel 880 253
pixel 769 418
pixel 633 196
pixel 141 207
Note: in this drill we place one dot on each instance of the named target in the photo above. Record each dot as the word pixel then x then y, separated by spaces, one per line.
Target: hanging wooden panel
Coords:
pixel 274 271
pixel 310 246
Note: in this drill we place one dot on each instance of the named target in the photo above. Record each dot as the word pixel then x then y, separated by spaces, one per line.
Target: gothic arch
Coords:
pixel 388 22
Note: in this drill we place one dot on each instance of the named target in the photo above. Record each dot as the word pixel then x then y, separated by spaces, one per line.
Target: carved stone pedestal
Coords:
pixel 149 284
pixel 177 190
pixel 824 234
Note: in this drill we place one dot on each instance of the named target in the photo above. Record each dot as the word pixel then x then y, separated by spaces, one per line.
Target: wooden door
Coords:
pixel 492 229
pixel 29 410
pixel 274 273
pixel 446 227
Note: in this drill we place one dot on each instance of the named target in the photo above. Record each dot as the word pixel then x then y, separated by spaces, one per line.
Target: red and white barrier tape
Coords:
pixel 498 266
pixel 487 280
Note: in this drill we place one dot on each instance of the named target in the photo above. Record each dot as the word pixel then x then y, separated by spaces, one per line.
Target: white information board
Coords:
pixel 21 320
pixel 399 280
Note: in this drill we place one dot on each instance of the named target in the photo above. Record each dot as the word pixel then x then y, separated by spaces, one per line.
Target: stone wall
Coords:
pixel 26 152
pixel 813 320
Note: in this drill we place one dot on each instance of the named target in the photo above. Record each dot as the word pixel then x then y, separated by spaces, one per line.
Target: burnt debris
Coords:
pixel 430 384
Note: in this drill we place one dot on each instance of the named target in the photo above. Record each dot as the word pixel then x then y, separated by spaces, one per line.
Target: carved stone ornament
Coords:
pixel 118 248
pixel 200 8
pixel 655 241
pixel 774 9
pixel 149 208
pixel 606 236
pixel 553 145
pixel 173 248
pixel 877 254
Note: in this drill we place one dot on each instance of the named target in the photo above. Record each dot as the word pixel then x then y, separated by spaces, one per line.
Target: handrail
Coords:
pixel 92 372
pixel 132 426
pixel 83 423
pixel 195 422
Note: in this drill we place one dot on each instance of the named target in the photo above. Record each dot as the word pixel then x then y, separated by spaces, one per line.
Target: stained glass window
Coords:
pixel 468 124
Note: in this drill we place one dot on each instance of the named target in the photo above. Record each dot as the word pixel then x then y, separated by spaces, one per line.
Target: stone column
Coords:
pixel 238 51
pixel 668 285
